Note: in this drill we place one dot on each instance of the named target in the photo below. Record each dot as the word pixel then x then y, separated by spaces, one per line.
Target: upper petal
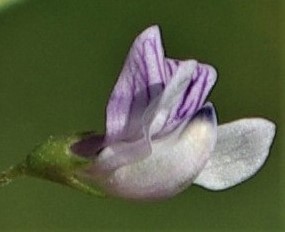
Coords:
pixel 241 150
pixel 141 80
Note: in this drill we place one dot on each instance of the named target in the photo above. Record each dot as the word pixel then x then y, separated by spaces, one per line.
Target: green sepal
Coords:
pixel 54 158
pixel 54 161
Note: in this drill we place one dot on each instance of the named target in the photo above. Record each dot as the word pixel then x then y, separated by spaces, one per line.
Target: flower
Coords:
pixel 161 135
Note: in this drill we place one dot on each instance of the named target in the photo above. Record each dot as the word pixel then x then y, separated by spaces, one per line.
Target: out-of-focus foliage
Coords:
pixel 4 4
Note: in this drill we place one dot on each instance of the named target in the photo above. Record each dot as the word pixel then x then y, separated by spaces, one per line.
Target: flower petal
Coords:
pixel 171 66
pixel 194 96
pixel 167 101
pixel 204 77
pixel 119 154
pixel 141 80
pixel 183 96
pixel 173 164
pixel 241 150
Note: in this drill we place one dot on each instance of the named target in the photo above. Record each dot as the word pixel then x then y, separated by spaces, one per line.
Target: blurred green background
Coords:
pixel 58 63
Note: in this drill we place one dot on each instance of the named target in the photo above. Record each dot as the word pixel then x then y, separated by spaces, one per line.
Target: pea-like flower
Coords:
pixel 161 135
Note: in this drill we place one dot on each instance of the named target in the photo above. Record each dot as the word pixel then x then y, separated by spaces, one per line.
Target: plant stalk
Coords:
pixel 12 173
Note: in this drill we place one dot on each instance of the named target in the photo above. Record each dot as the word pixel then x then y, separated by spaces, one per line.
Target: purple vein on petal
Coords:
pixel 204 84
pixel 136 104
pixel 145 77
pixel 152 77
pixel 179 112
pixel 190 95
pixel 138 69
pixel 172 67
pixel 133 87
pixel 182 115
pixel 133 92
pixel 187 98
pixel 169 68
pixel 161 76
pixel 198 72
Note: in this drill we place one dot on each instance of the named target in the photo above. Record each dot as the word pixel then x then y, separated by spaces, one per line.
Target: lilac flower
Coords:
pixel 161 135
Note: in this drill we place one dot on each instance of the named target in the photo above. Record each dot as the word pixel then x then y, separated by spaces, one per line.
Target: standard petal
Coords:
pixel 145 75
pixel 141 80
pixel 173 164
pixel 241 150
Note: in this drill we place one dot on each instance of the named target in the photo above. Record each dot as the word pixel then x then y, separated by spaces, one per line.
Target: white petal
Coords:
pixel 241 150
pixel 119 154
pixel 174 163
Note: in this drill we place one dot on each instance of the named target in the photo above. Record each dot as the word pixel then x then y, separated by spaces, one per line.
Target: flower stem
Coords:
pixel 12 173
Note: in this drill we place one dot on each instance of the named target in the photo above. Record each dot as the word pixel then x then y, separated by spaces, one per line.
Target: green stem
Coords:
pixel 12 173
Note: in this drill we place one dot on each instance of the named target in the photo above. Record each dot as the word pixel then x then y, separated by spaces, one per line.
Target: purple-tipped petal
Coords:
pixel 183 96
pixel 192 97
pixel 170 97
pixel 171 66
pixel 141 80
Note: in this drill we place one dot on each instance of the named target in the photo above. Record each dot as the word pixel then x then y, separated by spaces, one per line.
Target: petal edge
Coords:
pixel 242 149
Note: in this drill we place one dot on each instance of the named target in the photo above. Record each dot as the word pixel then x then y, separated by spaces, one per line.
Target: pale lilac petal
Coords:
pixel 171 66
pixel 170 96
pixel 141 80
pixel 183 96
pixel 193 97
